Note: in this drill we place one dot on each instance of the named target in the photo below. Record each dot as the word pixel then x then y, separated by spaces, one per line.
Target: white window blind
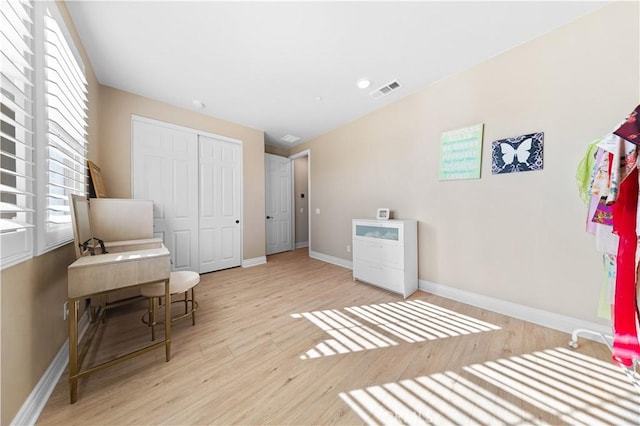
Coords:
pixel 16 132
pixel 64 139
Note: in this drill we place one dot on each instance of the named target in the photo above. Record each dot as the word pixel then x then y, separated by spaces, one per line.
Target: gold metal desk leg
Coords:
pixel 73 350
pixel 167 320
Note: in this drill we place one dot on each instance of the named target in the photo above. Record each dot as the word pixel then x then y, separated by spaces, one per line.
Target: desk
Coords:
pixel 97 275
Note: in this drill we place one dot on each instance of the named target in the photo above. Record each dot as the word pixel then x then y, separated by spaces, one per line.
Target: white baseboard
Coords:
pixel 552 320
pixel 537 316
pixel 247 263
pixel 37 399
pixel 330 259
pixel 302 244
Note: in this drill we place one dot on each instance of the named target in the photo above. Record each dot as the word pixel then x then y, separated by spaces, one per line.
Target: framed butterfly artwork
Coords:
pixel 518 154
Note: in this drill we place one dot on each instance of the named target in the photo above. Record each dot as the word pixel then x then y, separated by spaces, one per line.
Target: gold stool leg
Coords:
pixel 73 350
pixel 167 321
pixel 186 302
pixel 152 317
pixel 193 305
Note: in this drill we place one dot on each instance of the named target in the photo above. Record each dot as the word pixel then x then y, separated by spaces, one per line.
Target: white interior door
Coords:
pixel 220 204
pixel 165 170
pixel 279 220
pixel 195 182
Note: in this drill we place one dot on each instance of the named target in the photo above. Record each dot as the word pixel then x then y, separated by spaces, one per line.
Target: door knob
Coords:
pixel 237 221
pixel 269 217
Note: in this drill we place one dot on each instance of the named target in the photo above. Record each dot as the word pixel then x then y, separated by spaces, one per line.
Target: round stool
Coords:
pixel 180 282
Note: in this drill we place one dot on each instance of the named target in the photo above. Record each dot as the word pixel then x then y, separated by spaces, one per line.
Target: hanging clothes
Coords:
pixel 584 172
pixel 630 129
pixel 614 188
pixel 623 194
pixel 605 301
pixel 625 335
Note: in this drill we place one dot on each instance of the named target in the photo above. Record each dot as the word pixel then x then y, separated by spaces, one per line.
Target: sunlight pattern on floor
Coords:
pixel 347 334
pixel 416 321
pixel 413 321
pixel 571 388
pixel 576 388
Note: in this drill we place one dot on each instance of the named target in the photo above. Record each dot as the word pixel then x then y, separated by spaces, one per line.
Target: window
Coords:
pixel 16 87
pixel 43 77
pixel 61 135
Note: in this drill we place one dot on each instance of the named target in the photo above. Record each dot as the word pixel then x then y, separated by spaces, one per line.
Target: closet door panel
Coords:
pixel 182 249
pixel 220 204
pixel 165 171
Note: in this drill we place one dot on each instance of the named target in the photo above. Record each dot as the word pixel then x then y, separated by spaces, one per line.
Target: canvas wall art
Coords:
pixel 461 153
pixel 518 154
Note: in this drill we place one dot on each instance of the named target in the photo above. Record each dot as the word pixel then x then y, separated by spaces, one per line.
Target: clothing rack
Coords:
pixel 631 372
pixel 613 186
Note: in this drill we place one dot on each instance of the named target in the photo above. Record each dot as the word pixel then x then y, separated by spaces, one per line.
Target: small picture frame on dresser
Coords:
pixel 383 214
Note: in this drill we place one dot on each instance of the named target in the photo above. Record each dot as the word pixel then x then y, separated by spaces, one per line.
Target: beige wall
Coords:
pixel 115 153
pixel 276 150
pixel 33 330
pixel 517 237
pixel 32 293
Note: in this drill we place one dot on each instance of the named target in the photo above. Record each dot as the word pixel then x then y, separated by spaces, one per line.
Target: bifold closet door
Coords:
pixel 165 170
pixel 195 182
pixel 220 204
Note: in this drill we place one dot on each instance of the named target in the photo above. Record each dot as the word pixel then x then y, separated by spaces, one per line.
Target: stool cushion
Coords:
pixel 179 282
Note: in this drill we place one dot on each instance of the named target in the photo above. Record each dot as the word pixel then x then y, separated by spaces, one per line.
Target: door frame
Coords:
pixel 197 132
pixel 305 153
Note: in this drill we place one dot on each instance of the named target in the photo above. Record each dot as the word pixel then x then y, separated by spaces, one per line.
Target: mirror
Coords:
pixel 96 183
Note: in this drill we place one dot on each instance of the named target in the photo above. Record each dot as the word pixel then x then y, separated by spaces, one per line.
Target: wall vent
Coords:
pixel 385 90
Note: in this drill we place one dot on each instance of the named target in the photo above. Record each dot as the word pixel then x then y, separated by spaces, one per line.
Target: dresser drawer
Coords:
pixel 382 276
pixel 379 252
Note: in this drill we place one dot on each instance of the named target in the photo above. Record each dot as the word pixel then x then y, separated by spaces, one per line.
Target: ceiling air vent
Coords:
pixel 385 90
pixel 290 138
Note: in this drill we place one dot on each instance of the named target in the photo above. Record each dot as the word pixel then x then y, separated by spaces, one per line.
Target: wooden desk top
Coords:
pixel 90 275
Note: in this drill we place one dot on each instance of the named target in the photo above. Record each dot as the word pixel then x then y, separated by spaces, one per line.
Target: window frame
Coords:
pixel 50 237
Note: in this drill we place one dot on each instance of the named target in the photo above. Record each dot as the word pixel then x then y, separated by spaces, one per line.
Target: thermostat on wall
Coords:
pixel 383 214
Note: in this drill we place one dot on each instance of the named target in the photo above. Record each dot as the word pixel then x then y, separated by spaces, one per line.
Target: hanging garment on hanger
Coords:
pixel 621 163
pixel 598 187
pixel 599 184
pixel 603 213
pixel 625 340
pixel 605 301
pixel 584 174
pixel 630 129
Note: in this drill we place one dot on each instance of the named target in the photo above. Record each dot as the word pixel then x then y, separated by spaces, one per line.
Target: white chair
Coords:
pixel 180 282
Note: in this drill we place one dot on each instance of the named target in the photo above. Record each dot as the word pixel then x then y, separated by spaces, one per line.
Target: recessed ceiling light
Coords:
pixel 197 103
pixel 363 83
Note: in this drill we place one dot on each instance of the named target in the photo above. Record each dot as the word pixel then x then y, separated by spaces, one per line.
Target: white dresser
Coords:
pixel 385 254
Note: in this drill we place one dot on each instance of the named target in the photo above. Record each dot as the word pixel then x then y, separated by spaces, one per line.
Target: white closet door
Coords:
pixel 165 170
pixel 279 220
pixel 220 204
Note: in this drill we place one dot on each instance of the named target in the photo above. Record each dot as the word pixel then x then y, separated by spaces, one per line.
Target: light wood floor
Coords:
pixel 296 341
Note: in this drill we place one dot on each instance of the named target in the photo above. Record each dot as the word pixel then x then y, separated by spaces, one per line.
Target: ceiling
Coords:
pixel 290 68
